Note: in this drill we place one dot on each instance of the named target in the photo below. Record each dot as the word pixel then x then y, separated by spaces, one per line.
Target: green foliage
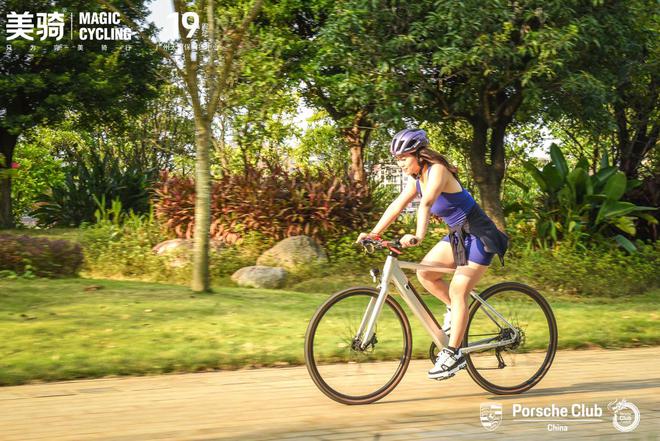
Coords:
pixel 257 116
pixel 108 85
pixel 604 271
pixel 230 258
pixel 321 147
pixel 39 169
pixel 90 176
pixel 39 256
pixel 119 244
pixel 578 207
pixel 272 201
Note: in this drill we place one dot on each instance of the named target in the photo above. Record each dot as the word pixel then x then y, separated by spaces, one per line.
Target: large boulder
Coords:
pixel 260 277
pixel 293 252
pixel 179 251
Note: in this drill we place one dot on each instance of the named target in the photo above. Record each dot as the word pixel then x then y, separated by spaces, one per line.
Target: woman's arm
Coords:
pixel 396 207
pixel 437 180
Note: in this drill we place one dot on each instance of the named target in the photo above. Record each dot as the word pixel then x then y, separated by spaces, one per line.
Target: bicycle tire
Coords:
pixel 552 346
pixel 311 364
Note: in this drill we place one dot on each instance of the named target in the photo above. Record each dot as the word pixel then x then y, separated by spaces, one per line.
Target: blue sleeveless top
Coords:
pixel 451 207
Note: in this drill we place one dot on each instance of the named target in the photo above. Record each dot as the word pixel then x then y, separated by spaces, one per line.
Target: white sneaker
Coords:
pixel 447 364
pixel 446 324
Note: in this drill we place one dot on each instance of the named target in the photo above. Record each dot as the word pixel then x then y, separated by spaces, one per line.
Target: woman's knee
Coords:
pixel 458 291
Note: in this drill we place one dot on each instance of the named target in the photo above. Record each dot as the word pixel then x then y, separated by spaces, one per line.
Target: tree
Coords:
pixel 208 71
pixel 41 85
pixel 609 103
pixel 617 103
pixel 489 64
pixel 256 120
pixel 339 54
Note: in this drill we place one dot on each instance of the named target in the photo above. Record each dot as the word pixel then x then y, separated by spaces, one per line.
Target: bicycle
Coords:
pixel 507 352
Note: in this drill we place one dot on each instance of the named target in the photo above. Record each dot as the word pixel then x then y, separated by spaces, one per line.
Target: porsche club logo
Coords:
pixel 491 415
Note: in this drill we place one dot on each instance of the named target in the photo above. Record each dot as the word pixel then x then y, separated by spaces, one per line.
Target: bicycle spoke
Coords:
pixel 346 372
pixel 520 364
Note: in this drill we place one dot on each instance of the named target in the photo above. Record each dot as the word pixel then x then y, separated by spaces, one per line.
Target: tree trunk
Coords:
pixel 634 151
pixel 200 279
pixel 357 163
pixel 637 129
pixel 7 144
pixel 488 177
pixel 357 138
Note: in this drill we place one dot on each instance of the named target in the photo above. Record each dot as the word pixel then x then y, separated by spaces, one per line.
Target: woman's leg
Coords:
pixel 465 278
pixel 442 255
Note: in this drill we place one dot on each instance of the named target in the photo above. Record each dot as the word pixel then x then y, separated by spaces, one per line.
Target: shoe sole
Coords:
pixel 448 374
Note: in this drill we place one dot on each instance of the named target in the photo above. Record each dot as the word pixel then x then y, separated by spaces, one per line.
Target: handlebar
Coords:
pixel 371 244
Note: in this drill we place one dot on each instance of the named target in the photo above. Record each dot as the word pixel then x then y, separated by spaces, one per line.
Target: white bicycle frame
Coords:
pixel 393 272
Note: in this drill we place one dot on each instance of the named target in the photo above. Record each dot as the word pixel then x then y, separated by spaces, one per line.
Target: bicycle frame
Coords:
pixel 393 272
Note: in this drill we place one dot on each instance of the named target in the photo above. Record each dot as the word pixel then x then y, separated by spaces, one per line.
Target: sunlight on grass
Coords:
pixel 81 328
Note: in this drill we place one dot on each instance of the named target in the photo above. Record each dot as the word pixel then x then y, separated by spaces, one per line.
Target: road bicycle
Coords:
pixel 359 342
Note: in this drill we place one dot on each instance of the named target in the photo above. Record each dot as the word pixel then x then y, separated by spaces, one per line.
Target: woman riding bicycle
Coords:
pixel 469 247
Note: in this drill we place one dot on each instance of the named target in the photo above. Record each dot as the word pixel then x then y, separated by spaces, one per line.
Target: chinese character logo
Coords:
pixel 626 415
pixel 18 25
pixel 50 25
pixel 491 415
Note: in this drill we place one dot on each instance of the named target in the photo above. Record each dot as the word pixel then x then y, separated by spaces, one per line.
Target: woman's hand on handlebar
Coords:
pixel 409 240
pixel 363 236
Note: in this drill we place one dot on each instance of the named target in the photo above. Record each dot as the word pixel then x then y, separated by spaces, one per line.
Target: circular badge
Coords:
pixel 626 415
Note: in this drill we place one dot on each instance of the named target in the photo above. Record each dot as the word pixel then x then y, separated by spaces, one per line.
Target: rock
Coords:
pixel 180 250
pixel 173 245
pixel 29 221
pixel 293 252
pixel 260 277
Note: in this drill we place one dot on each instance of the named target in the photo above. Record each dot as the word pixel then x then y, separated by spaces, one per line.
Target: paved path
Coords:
pixel 284 404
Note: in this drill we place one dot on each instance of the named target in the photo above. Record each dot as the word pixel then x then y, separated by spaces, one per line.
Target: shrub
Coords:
pixel 579 208
pixel 39 256
pixel 245 252
pixel 89 177
pixel 272 201
pixel 119 244
pixel 601 270
pixel 38 169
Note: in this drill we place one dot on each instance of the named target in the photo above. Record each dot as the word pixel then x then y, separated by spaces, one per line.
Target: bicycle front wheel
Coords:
pixel 520 365
pixel 338 366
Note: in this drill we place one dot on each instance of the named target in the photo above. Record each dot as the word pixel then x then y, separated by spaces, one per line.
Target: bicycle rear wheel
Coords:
pixel 519 366
pixel 338 367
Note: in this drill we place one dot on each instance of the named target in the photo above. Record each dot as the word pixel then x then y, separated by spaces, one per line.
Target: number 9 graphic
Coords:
pixel 191 27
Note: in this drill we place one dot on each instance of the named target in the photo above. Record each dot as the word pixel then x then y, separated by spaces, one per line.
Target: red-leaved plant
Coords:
pixel 272 201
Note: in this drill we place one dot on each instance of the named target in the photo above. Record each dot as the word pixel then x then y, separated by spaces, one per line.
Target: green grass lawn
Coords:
pixel 81 328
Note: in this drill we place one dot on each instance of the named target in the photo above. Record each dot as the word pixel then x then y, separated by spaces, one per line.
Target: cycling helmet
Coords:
pixel 408 141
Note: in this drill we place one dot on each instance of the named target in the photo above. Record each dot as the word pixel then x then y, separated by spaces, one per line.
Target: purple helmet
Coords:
pixel 408 141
